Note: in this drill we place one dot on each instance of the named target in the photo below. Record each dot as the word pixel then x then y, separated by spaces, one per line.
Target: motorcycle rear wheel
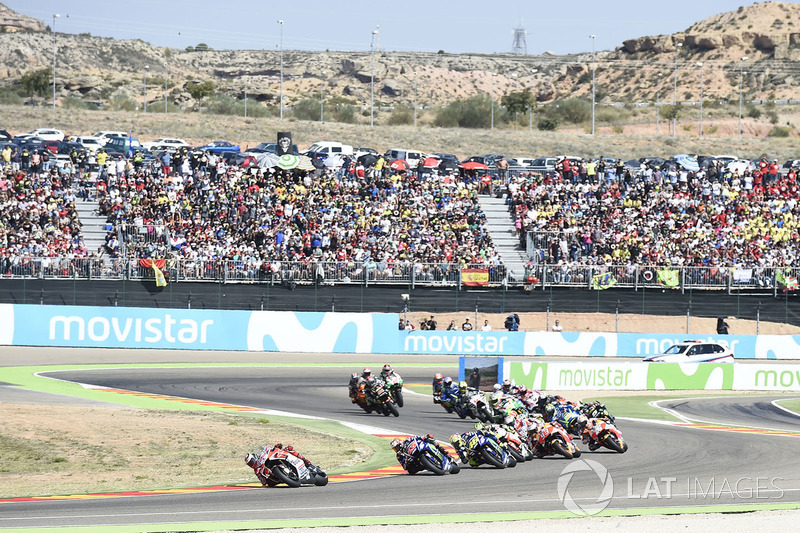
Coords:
pixel 428 463
pixel 290 479
pixel 490 459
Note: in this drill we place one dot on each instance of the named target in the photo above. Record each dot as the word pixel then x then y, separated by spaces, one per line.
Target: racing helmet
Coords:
pixel 387 369
pixel 448 381
pixel 581 421
pixel 457 441
pixel 462 385
pixel 366 373
pixel 549 410
pixel 371 381
pixel 506 385
pixel 396 444
pixel 437 377
pixel 522 389
pixel 479 426
pixel 354 376
pixel 250 459
pixel 497 387
pixel 289 448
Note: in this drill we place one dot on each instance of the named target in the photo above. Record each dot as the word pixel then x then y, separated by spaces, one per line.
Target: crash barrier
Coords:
pixel 288 331
pixel 651 376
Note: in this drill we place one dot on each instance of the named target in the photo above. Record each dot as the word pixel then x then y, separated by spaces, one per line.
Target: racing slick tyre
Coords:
pixel 576 453
pixel 321 479
pixel 431 465
pixel 490 459
pixel 612 443
pixel 286 476
pixel 398 397
pixel 558 448
pixel 484 415
pixel 454 468
pixel 390 407
pixel 511 463
pixel 518 457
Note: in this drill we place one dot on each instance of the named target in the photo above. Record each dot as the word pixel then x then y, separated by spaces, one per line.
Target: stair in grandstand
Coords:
pixel 94 226
pixel 501 229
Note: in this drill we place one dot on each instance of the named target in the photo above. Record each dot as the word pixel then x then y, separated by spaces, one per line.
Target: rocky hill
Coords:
pixel 102 69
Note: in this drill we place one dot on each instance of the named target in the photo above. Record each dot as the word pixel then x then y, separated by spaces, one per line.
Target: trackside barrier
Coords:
pixel 289 331
pixel 652 376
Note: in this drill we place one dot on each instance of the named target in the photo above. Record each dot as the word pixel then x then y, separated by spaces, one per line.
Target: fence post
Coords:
pixel 758 318
pixel 636 279
pixel 116 298
pixel 189 300
pixel 728 281
pixel 41 298
pixel 547 321
pixel 683 280
pixel 413 276
pixel 616 318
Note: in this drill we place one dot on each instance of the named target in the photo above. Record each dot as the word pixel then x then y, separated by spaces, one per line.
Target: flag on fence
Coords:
pixel 156 265
pixel 785 282
pixel 603 281
pixel 668 278
pixel 475 277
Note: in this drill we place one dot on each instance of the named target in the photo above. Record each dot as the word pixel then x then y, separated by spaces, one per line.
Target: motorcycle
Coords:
pixel 488 450
pixel 431 458
pixel 553 439
pixel 606 434
pixel 395 385
pixel 516 446
pixel 448 400
pixel 383 400
pixel 286 468
pixel 597 410
pixel 567 415
pixel 481 407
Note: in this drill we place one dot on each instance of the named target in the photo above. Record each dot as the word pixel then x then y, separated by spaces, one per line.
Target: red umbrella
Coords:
pixel 473 165
pixel 431 162
pixel 399 164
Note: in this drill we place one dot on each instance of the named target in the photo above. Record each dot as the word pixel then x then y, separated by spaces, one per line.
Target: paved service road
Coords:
pixel 756 411
pixel 666 466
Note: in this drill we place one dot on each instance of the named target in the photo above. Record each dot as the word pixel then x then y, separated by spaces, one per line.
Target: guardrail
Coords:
pixel 535 276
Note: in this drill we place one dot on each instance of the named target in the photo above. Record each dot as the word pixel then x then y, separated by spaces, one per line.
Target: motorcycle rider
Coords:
pixel 257 462
pixel 353 387
pixel 449 391
pixel 587 435
pixel 464 395
pixel 408 461
pixel 437 387
pixel 461 444
pixel 387 372
pixel 369 391
pixel 366 373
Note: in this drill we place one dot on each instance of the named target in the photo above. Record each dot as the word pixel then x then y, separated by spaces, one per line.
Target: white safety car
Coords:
pixel 693 352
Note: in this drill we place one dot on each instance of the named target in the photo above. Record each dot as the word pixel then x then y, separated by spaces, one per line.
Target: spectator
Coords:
pixel 722 326
pixel 467 325
pixel 452 326
pixel 486 326
pixel 557 326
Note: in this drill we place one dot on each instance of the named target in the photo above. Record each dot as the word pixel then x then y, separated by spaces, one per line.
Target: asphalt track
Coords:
pixel 666 466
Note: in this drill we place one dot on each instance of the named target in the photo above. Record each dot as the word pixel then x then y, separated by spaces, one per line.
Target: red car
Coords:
pixel 52 146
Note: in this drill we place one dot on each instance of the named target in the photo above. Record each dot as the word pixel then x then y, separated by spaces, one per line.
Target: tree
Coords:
pixel 199 90
pixel 37 81
pixel 575 110
pixel 517 101
pixel 202 47
pixel 671 112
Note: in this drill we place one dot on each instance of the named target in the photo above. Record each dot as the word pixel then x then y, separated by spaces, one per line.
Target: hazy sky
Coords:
pixel 407 25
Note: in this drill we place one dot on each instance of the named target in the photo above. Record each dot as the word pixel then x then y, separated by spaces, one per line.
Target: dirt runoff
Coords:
pixel 600 322
pixel 76 449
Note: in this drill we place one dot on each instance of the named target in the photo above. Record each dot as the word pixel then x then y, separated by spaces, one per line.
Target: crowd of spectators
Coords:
pixel 662 217
pixel 268 216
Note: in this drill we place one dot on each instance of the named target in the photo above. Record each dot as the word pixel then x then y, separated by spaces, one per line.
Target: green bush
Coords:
pixel 71 102
pixel 547 124
pixel 307 109
pixel 752 111
pixel 401 116
pixel 473 112
pixel 344 113
pixel 779 131
pixel 574 110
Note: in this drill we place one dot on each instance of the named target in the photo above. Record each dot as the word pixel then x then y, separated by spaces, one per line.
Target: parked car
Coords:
pixel 655 162
pixel 441 156
pixel 92 144
pixel 66 147
pixel 693 352
pixel 31 143
pixel 239 159
pixel 726 159
pixel 218 147
pixel 412 157
pixel 5 136
pixel 123 145
pixel 543 164
pixel 358 152
pixel 104 136
pixel 163 143
pixel 323 149
pixel 791 163
pixel 52 146
pixel 741 165
pixel 48 134
pixel 524 161
pixel 270 148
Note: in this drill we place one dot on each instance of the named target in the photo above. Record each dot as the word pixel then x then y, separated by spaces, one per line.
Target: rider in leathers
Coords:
pixel 257 462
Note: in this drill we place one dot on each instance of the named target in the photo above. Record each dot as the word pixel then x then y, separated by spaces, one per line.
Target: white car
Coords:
pixel 741 165
pixel 91 144
pixel 48 134
pixel 693 352
pixel 164 143
pixel 104 136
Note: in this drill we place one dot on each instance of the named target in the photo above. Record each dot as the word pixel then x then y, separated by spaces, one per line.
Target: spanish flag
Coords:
pixel 156 265
pixel 161 281
pixel 475 277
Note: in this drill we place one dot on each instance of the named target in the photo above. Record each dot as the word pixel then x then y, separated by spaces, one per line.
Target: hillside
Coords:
pixel 113 71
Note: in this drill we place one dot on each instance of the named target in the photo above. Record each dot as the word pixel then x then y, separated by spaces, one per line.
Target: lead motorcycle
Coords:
pixel 601 433
pixel 286 468
pixel 553 439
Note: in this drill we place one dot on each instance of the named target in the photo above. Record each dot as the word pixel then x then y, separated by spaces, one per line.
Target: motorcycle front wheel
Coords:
pixel 398 397
pixel 560 449
pixel 489 458
pixel 290 478
pixel 321 479
pixel 390 407
pixel 518 457
pixel 429 464
pixel 611 442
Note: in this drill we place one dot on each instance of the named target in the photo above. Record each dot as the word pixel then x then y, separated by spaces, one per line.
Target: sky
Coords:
pixel 468 26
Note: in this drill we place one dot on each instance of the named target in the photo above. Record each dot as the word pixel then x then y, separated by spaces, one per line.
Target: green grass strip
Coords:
pixel 792 405
pixel 418 519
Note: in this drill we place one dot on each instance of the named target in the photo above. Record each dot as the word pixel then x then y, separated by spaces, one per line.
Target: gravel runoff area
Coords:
pixel 761 521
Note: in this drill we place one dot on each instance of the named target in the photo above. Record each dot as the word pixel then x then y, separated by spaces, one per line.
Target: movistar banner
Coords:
pixel 652 376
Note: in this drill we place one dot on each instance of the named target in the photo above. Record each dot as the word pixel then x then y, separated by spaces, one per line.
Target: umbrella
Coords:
pixel 267 160
pixel 368 159
pixel 473 165
pixel 399 164
pixel 305 163
pixel 288 161
pixel 318 163
pixel 430 162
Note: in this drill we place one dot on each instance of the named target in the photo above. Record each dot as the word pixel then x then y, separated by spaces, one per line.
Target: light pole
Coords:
pixel 700 64
pixel 594 63
pixel 372 78
pixel 675 91
pixel 144 88
pixel 280 23
pixel 530 109
pixel 322 97
pixel 741 79
pixel 516 90
pixel 415 98
pixel 166 77
pixel 55 16
pixel 246 75
pixel 658 90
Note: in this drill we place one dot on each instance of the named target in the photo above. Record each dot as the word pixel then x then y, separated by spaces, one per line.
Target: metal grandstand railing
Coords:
pixel 537 276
